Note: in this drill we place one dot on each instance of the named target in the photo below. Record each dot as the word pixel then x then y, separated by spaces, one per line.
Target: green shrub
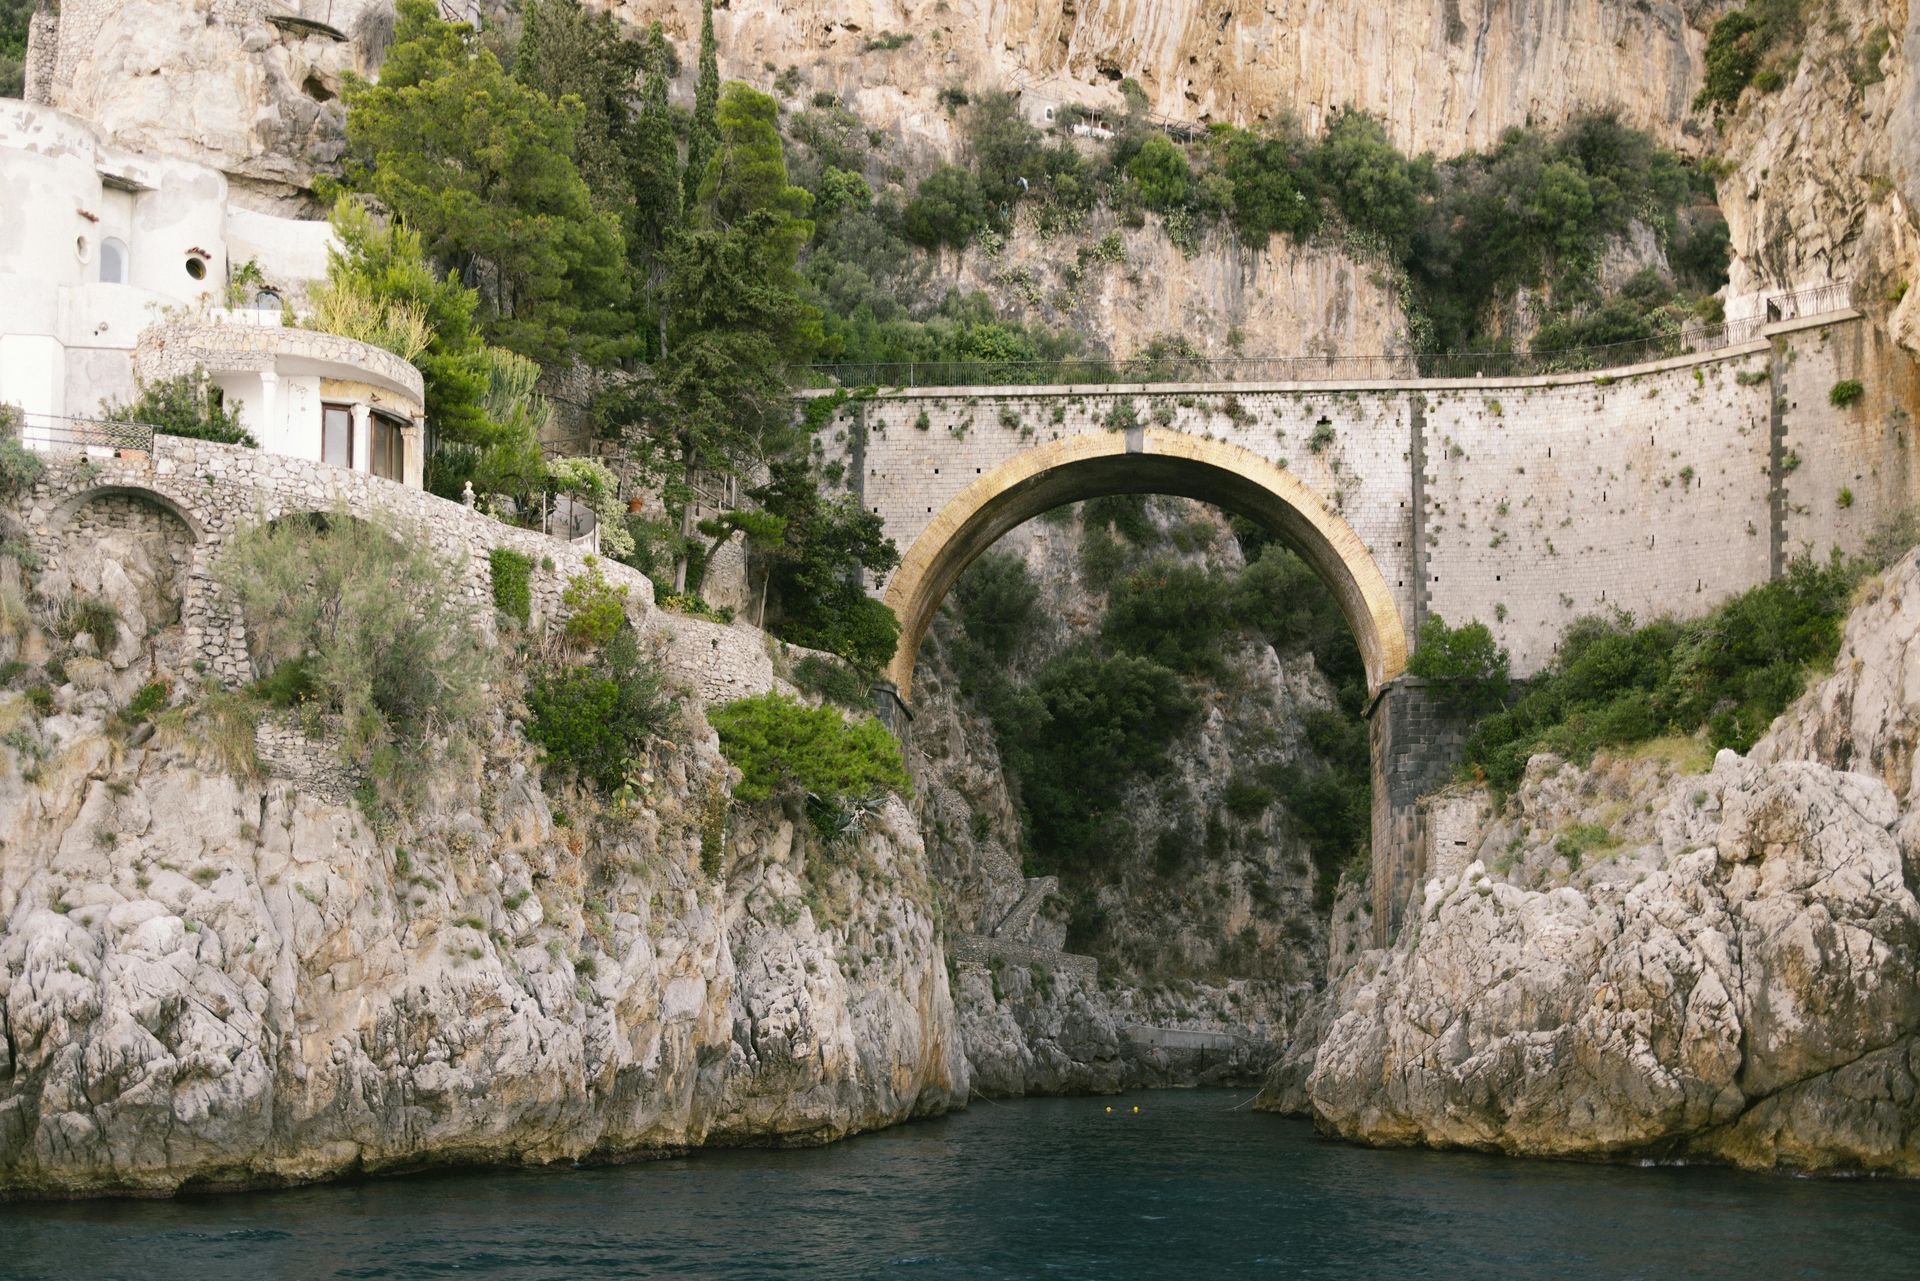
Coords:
pixel 1088 725
pixel 512 583
pixel 1465 660
pixel 40 699
pixel 1845 392
pixel 289 684
pixel 374 613
pixel 184 405
pixel 93 616
pixel 834 681
pixel 595 608
pixel 998 602
pixel 1177 614
pixel 1247 799
pixel 783 746
pixel 594 718
pixel 151 698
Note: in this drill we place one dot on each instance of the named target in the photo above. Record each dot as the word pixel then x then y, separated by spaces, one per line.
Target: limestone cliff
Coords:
pixel 1728 973
pixel 1446 75
pixel 213 974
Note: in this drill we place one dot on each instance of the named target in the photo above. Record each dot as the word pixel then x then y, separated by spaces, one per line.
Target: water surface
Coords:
pixel 1058 1188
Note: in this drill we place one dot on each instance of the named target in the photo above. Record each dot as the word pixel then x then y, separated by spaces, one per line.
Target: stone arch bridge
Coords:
pixel 1522 502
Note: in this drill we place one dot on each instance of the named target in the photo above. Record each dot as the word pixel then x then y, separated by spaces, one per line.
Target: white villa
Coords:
pixel 115 270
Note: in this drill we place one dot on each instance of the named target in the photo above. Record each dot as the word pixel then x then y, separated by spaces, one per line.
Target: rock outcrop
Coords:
pixel 1639 959
pixel 212 975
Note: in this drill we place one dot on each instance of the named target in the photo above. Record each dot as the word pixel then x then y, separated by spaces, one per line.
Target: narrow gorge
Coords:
pixel 1072 631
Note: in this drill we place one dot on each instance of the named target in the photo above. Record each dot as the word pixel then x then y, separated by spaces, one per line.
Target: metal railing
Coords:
pixel 1686 341
pixel 59 432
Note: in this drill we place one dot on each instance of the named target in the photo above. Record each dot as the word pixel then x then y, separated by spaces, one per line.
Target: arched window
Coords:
pixel 266 300
pixel 113 261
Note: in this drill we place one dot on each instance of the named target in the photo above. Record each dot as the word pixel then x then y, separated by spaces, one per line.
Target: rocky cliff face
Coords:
pixel 1446 75
pixel 243 85
pixel 1639 958
pixel 214 975
pixel 1824 173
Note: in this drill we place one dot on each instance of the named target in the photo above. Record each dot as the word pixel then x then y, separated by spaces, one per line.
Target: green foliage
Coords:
pixel 1087 726
pixel 1464 659
pixel 1729 673
pixel 595 609
pixel 1373 186
pixel 20 467
pixel 1845 392
pixel 1160 173
pixel 183 405
pixel 814 575
pixel 703 135
pixel 594 718
pixel 14 18
pixel 566 51
pixel 1176 613
pixel 374 612
pixel 150 698
pixel 946 209
pixel 387 262
pixel 998 602
pixel 784 747
pixel 1739 43
pixel 833 681
pixel 482 167
pixel 290 684
pixel 512 583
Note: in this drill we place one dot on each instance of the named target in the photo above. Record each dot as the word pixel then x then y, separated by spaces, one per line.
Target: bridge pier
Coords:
pixel 1417 736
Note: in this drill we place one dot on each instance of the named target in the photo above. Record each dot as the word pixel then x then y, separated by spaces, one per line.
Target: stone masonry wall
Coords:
pixel 217 490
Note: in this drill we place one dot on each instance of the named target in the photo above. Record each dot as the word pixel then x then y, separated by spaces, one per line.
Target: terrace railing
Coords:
pixel 60 433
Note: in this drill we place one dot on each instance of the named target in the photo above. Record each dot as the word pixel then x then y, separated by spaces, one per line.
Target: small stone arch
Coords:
pixel 1146 460
pixel 131 545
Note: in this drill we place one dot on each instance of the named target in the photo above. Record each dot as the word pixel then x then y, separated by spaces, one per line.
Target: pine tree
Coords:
pixel 705 134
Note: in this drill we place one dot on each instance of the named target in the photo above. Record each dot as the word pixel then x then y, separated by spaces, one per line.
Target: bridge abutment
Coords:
pixel 1418 735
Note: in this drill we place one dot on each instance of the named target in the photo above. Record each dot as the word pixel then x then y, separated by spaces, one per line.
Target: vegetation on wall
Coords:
pixel 371 618
pixel 1728 674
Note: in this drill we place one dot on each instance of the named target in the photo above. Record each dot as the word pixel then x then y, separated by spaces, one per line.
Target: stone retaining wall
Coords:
pixel 216 490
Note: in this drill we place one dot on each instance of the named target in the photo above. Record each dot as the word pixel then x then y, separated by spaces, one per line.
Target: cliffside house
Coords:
pixel 118 269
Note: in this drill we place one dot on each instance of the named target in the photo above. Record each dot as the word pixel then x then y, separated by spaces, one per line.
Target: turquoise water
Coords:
pixel 1047 1189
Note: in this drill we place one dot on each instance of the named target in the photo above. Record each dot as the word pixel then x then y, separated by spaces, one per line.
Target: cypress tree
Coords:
pixel 656 176
pixel 705 134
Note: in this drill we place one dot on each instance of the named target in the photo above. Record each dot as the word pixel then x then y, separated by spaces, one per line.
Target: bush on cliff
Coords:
pixel 594 717
pixel 374 613
pixel 784 747
pixel 1729 674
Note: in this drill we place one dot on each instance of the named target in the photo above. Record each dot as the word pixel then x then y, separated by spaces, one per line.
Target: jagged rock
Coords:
pixel 209 980
pixel 1735 979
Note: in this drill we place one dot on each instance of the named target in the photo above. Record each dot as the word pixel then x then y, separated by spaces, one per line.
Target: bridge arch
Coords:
pixel 1145 460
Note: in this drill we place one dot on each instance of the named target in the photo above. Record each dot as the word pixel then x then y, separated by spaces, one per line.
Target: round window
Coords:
pixel 196 266
pixel 82 248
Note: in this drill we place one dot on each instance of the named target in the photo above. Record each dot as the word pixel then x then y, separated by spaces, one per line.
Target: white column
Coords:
pixel 362 437
pixel 269 428
pixel 413 452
